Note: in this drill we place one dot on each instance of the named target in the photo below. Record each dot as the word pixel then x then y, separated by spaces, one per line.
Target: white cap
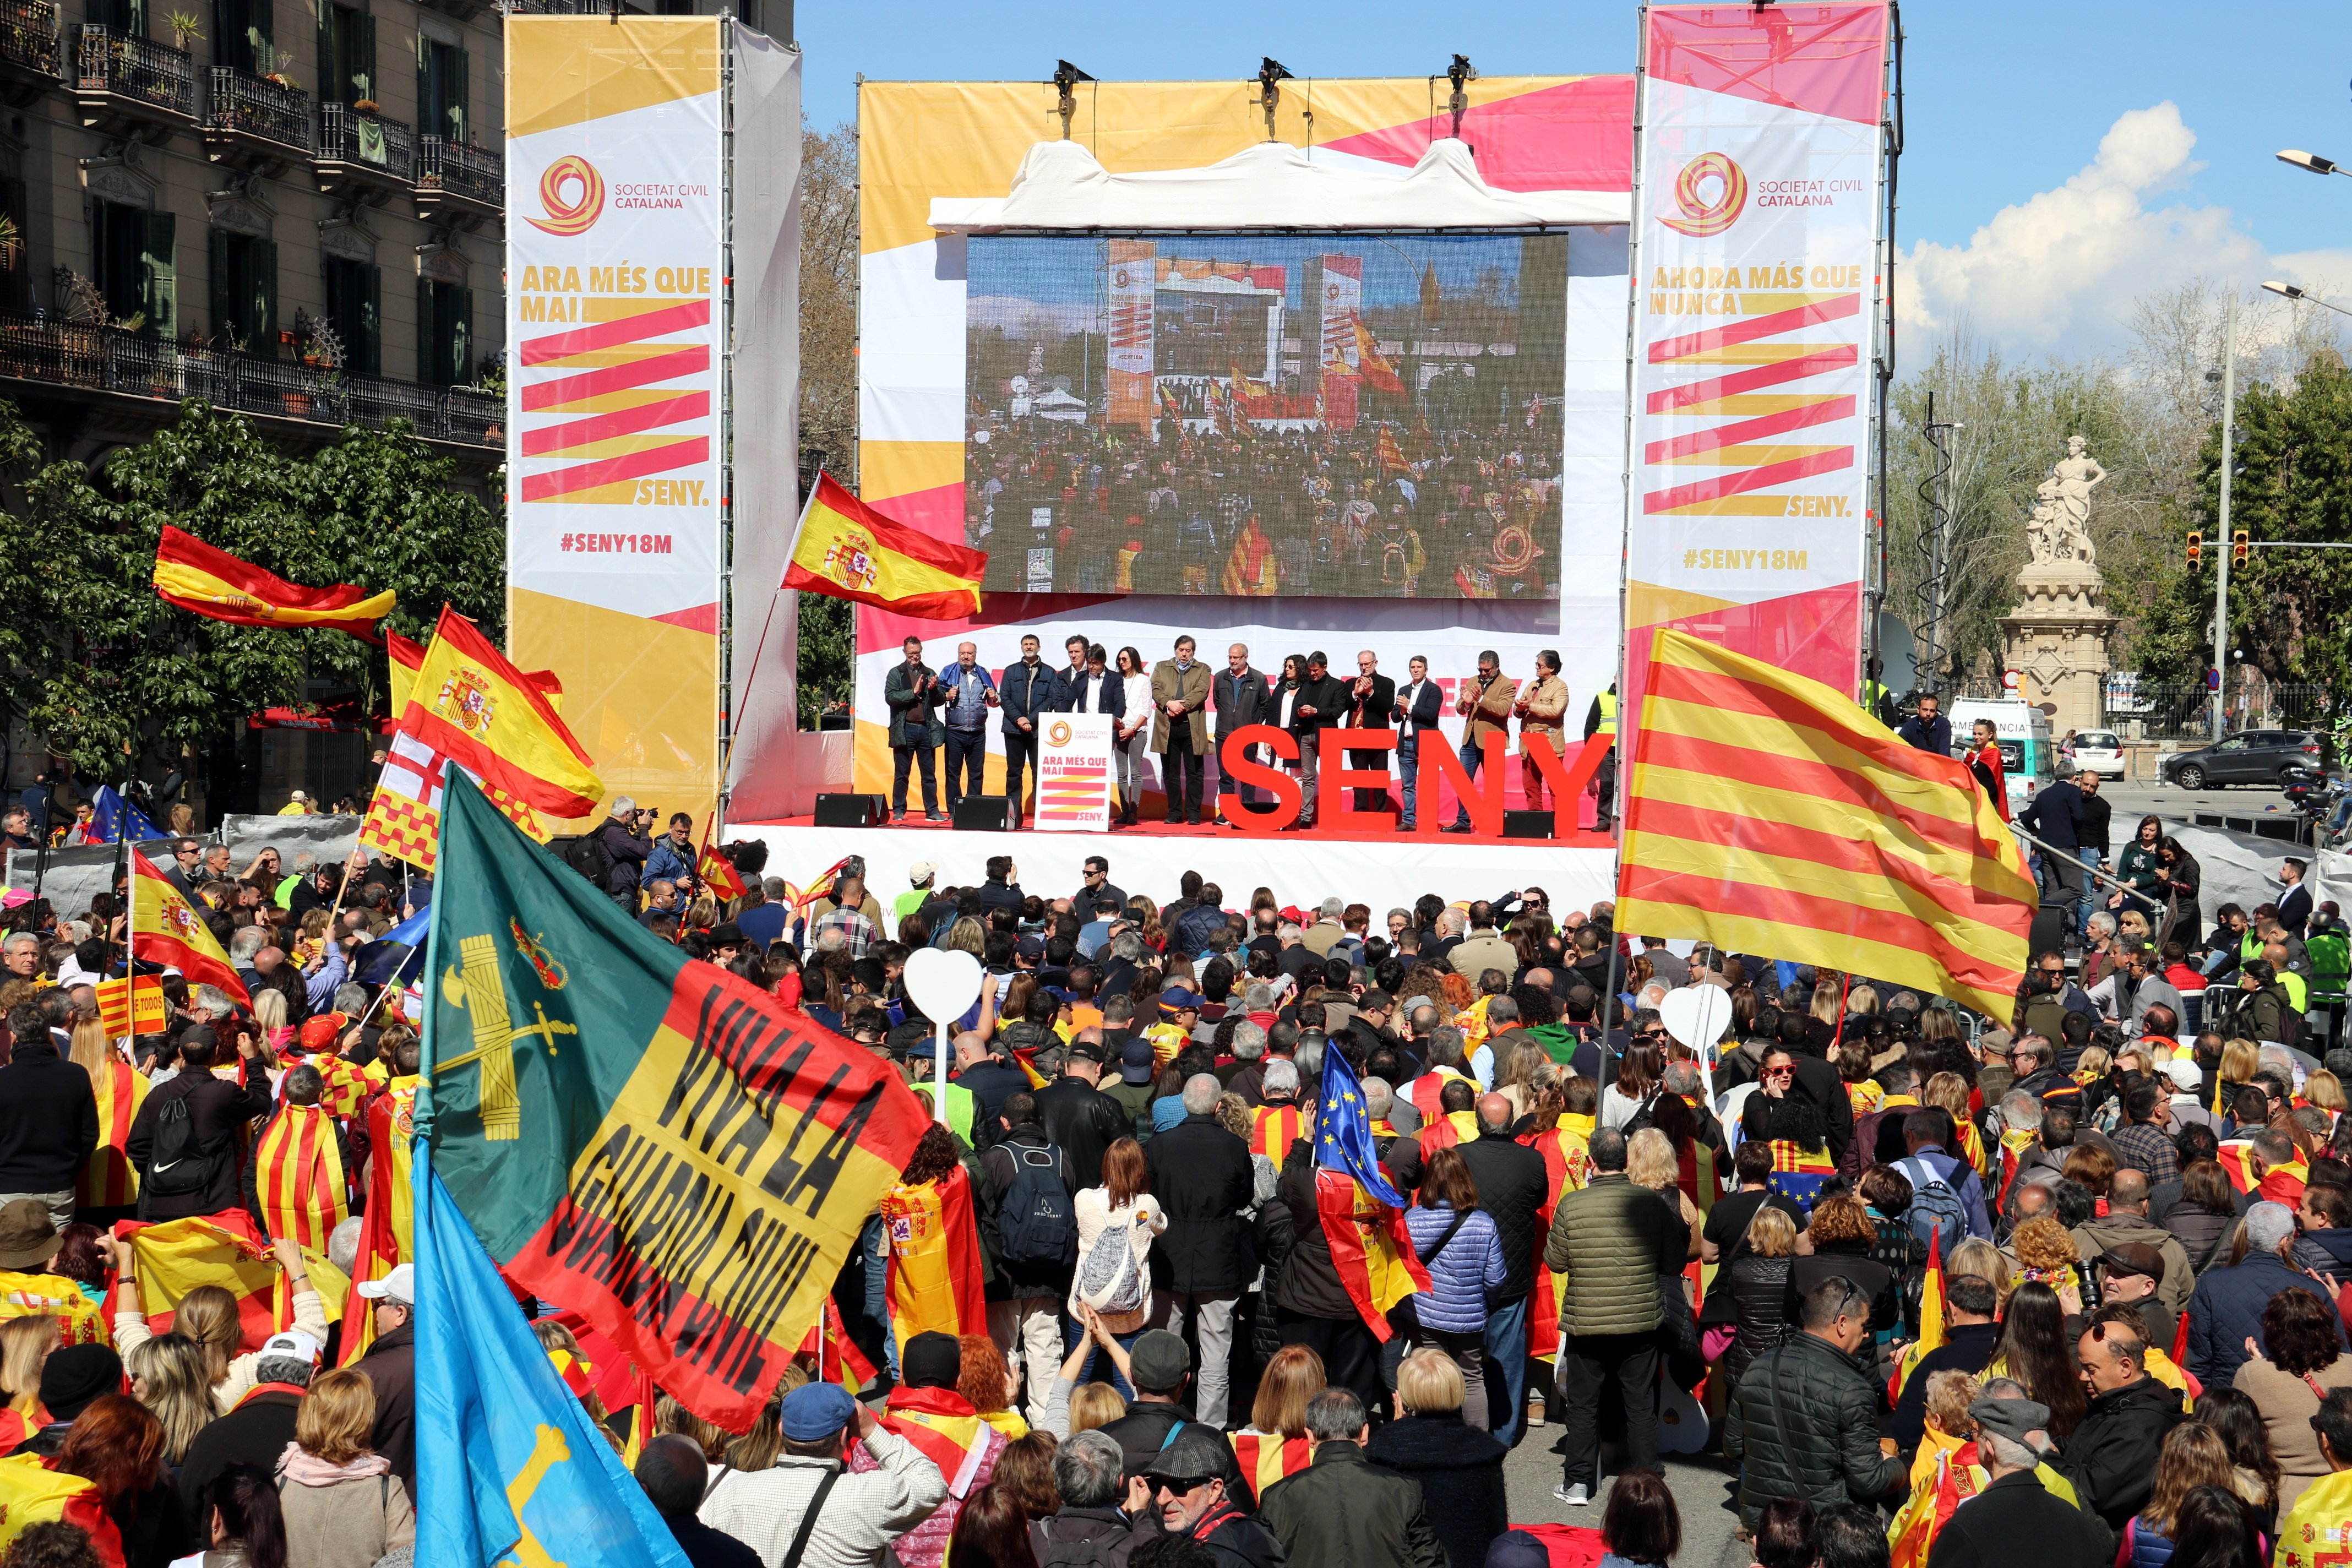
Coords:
pixel 2184 1073
pixel 921 872
pixel 399 1286
pixel 293 1344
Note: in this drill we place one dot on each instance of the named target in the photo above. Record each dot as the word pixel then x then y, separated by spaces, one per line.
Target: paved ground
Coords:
pixel 2135 801
pixel 1701 1485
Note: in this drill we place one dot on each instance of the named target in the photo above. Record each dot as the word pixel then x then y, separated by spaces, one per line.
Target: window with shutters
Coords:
pixel 346 56
pixel 441 91
pixel 244 292
pixel 121 15
pixel 243 35
pixel 444 333
pixel 132 254
pixel 354 307
pixel 15 260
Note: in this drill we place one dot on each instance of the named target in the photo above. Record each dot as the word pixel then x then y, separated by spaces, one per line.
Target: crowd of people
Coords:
pixel 2074 1281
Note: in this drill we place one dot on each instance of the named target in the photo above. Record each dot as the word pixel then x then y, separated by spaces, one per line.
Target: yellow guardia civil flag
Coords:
pixel 849 551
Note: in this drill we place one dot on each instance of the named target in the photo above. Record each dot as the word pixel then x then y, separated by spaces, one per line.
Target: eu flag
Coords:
pixel 113 817
pixel 508 1465
pixel 1343 1135
pixel 397 956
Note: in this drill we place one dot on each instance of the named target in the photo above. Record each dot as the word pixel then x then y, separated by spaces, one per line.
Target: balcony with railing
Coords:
pixel 456 181
pixel 28 49
pixel 66 355
pixel 254 121
pixel 123 79
pixel 364 154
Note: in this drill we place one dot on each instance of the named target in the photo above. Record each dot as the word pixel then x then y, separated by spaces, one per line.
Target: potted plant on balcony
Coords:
pixel 186 26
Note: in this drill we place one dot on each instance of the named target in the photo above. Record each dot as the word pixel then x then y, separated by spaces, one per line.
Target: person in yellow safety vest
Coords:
pixel 1601 718
pixel 911 1044
pixel 1877 701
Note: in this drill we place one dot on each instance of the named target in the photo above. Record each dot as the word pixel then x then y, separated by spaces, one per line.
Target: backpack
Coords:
pixel 1645 1115
pixel 1097 1550
pixel 1112 1279
pixel 177 1168
pixel 587 855
pixel 1036 1224
pixel 1937 1213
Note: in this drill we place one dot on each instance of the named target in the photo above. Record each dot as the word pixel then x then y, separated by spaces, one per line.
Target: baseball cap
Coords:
pixel 1158 1362
pixel 908 1038
pixel 399 1286
pixel 1174 1002
pixel 920 873
pixel 815 1411
pixel 2184 1072
pixel 291 1343
pixel 1197 1454
pixel 1091 1050
pixel 1137 1062
pixel 1032 947
pixel 2134 1258
pixel 321 1029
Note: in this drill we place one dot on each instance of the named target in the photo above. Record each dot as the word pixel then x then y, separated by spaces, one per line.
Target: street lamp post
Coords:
pixel 2304 297
pixel 2221 576
pixel 2313 162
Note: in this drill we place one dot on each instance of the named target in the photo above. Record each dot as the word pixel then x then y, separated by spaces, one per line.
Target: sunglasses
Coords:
pixel 1780 1072
pixel 1175 1488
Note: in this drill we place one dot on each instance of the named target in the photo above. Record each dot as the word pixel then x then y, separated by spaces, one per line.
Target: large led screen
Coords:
pixel 1360 416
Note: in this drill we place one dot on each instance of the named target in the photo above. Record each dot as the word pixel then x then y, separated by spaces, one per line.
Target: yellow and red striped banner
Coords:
pixel 388 1229
pixel 109 1180
pixel 1767 812
pixel 299 1177
pixel 164 930
pixel 133 1006
pixel 1275 1129
pixel 209 582
pixel 1265 1460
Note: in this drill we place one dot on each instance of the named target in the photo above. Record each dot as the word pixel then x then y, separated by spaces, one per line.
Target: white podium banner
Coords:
pixel 1074 773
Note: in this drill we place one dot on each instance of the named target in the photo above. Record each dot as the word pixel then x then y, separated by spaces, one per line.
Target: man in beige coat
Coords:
pixel 1180 730
pixel 1542 707
pixel 1487 703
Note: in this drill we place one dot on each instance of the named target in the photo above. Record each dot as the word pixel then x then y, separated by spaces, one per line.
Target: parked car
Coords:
pixel 2269 757
pixel 2099 752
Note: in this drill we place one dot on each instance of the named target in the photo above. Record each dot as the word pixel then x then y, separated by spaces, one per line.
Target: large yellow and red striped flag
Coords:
pixel 1767 812
pixel 209 582
pixel 299 1179
pixel 131 1006
pixel 109 1180
pixel 849 551
pixel 164 930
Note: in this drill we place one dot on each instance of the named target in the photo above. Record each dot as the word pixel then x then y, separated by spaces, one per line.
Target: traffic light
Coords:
pixel 2196 550
pixel 2238 549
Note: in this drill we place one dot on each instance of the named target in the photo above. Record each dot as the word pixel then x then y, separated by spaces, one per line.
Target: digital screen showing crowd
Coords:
pixel 1360 416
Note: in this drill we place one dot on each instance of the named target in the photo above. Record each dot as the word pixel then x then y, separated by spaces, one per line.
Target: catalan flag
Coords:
pixel 1274 1129
pixel 1250 569
pixel 849 551
pixel 165 930
pixel 109 1180
pixel 1767 812
pixel 204 580
pixel 1391 455
pixel 299 1178
pixel 131 1006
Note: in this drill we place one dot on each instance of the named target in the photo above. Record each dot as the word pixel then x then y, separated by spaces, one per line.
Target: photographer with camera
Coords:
pixel 624 841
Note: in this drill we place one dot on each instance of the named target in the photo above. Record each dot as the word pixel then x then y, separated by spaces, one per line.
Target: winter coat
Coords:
pixel 1028 691
pixel 1080 1537
pixel 2203 1236
pixel 1201 1176
pixel 2111 1458
pixel 49 1120
pixel 1343 1511
pixel 348 1524
pixel 217 1110
pixel 2094 1236
pixel 2287 1405
pixel 914 715
pixel 1309 1281
pixel 1803 1422
pixel 2227 1310
pixel 1611 1240
pixel 1085 1121
pixel 391 1366
pixel 1756 1286
pixel 1513 1187
pixel 1460 1469
pixel 1461 1274
pixel 2014 1521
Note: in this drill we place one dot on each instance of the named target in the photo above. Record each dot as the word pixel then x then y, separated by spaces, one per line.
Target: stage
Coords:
pixel 1385 870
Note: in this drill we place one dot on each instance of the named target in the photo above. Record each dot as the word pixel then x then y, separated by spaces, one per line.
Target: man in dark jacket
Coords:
pixel 1343 1511
pixel 2111 1458
pixel 1026 690
pixel 1512 1187
pixel 1201 1174
pixel 911 689
pixel 1160 1368
pixel 2226 1311
pixel 627 847
pixel 992 1079
pixel 1610 1242
pixel 1002 891
pixel 256 1431
pixel 1198 1493
pixel 391 1366
pixel 1803 1420
pixel 2055 815
pixel 1322 701
pixel 48 1118
pixel 1079 1117
pixel 674 1475
pixel 217 1110
pixel 1927 729
pixel 2016 1518
pixel 1969 1334
pixel 1087 1531
pixel 1024 1297
pixel 1239 694
pixel 1311 1307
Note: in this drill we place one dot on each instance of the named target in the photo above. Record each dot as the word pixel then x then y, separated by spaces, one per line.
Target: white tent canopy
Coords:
pixel 1273 185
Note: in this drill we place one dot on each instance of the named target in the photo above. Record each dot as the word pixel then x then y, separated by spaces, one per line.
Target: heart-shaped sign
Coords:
pixel 943 982
pixel 1695 1015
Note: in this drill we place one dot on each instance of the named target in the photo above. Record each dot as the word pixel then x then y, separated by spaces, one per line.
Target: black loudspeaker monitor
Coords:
pixel 849 810
pixel 1528 824
pixel 980 813
pixel 2049 934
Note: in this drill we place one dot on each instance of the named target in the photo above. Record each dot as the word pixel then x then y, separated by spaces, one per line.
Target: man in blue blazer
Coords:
pixel 1418 705
pixel 1025 690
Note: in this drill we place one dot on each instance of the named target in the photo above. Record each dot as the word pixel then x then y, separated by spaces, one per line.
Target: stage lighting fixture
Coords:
pixel 1269 72
pixel 1460 73
pixel 1065 77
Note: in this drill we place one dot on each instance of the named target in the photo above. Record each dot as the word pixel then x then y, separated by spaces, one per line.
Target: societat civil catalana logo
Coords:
pixel 569 213
pixel 1708 212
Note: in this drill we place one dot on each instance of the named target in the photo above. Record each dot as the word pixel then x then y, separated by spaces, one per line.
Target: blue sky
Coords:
pixel 2062 158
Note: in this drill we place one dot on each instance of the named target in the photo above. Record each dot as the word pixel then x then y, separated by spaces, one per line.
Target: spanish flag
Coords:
pixel 211 583
pixel 1567 1165
pixel 109 1180
pixel 32 1493
pixel 934 1274
pixel 834 1355
pixel 1265 1460
pixel 176 1256
pixel 1275 1129
pixel 849 551
pixel 714 869
pixel 1931 1319
pixel 1767 812
pixel 164 930
pixel 944 1428
pixel 1370 365
pixel 79 1320
pixel 299 1175
pixel 1371 1250
pixel 407 657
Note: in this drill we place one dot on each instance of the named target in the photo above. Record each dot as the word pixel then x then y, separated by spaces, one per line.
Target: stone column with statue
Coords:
pixel 2058 637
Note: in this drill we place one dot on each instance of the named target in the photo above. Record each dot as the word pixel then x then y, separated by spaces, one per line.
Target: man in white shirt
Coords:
pixel 857 1515
pixel 1418 705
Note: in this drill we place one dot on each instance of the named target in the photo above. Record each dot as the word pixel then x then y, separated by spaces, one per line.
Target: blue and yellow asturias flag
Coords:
pixel 509 1464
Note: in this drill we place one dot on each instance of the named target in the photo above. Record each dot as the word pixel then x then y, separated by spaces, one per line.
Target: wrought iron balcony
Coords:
pixel 458 181
pixel 251 119
pixel 120 78
pixel 364 154
pixel 28 43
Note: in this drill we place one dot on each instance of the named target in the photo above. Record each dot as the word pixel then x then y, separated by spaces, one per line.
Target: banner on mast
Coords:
pixel 1757 207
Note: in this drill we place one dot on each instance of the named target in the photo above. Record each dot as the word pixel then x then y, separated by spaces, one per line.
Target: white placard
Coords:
pixel 1074 773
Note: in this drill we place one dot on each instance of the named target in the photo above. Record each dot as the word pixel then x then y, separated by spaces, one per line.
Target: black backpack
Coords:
pixel 177 1167
pixel 1037 1223
pixel 588 856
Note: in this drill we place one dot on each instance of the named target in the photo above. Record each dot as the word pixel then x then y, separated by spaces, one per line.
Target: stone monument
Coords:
pixel 2057 639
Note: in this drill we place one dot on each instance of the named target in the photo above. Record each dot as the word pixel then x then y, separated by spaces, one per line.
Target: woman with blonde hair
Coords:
pixel 208 1315
pixel 967 935
pixel 1093 1404
pixel 269 1012
pixel 2325 1091
pixel 1457 1461
pixel 344 1508
pixel 2193 1455
pixel 1949 1093
pixel 26 1344
pixel 1758 1284
pixel 1649 1161
pixel 168 1375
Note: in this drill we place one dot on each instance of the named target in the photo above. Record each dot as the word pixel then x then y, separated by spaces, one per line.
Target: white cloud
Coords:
pixel 2068 263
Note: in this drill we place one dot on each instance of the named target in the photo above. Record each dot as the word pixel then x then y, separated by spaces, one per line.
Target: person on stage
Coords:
pixel 1371 698
pixel 1179 692
pixel 1542 707
pixel 967 691
pixel 1322 701
pixel 1602 719
pixel 1131 733
pixel 1243 697
pixel 1025 690
pixel 912 691
pixel 1069 683
pixel 1417 707
pixel 1487 703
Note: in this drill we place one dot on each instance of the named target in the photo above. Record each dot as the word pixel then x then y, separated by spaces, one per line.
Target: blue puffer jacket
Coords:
pixel 1470 1265
pixel 2147 1549
pixel 2227 1311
